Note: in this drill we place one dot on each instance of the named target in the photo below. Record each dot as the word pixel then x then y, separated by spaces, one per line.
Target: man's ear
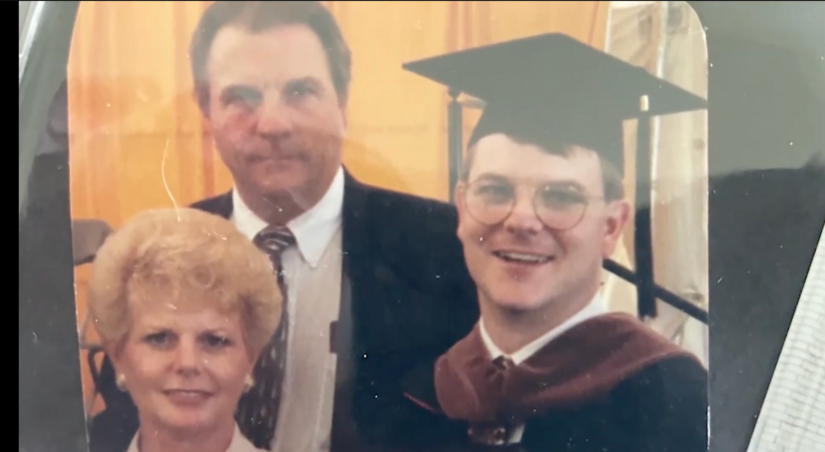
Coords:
pixel 458 200
pixel 342 107
pixel 200 96
pixel 459 194
pixel 618 213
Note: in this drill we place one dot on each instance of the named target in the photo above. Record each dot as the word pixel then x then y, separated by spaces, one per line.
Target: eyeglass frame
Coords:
pixel 465 185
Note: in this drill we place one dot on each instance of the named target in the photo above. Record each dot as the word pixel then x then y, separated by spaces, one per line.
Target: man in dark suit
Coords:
pixel 374 280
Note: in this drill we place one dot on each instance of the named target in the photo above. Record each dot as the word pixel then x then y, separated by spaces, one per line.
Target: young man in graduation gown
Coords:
pixel 541 205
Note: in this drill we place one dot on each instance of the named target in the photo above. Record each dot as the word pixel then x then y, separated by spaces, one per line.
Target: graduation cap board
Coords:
pixel 553 87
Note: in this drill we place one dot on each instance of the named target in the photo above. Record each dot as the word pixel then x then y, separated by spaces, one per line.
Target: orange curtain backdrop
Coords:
pixel 137 140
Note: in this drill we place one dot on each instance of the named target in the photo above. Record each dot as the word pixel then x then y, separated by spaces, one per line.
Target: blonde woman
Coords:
pixel 184 304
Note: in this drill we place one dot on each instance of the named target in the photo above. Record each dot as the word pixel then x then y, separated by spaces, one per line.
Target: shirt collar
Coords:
pixel 312 229
pixel 594 308
pixel 239 443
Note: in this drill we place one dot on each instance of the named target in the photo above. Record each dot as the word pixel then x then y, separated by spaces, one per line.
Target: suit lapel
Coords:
pixel 344 335
pixel 218 205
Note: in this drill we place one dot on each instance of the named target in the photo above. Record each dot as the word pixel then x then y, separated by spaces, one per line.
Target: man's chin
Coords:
pixel 517 307
pixel 517 303
pixel 281 185
pixel 279 189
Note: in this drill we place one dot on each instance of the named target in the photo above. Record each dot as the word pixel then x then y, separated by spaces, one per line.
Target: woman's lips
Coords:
pixel 187 396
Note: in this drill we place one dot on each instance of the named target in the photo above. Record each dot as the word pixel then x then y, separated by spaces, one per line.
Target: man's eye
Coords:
pixel 245 96
pixel 494 192
pixel 299 91
pixel 560 197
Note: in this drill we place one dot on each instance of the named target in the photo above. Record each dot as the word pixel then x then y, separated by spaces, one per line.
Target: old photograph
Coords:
pixel 390 226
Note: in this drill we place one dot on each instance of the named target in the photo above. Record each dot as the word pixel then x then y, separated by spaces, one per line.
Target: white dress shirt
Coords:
pixel 239 443
pixel 313 277
pixel 594 308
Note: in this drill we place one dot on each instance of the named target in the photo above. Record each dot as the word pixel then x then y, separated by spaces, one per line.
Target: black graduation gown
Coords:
pixel 625 390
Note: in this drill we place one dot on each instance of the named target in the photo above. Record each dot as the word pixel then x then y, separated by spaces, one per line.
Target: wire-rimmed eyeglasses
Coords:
pixel 559 206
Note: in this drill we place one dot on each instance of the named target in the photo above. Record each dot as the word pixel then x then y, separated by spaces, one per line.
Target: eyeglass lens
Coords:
pixel 558 207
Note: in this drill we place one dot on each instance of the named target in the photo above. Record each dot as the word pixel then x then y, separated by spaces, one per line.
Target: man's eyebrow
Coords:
pixel 308 81
pixel 566 183
pixel 492 177
pixel 558 183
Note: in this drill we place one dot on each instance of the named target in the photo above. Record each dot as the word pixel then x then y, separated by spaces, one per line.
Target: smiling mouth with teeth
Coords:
pixel 522 258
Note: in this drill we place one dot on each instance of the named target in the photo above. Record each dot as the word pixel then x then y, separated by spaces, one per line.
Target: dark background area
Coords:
pixel 766 91
pixel 766 120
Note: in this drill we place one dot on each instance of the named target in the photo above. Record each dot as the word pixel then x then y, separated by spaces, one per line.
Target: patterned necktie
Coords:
pixel 257 413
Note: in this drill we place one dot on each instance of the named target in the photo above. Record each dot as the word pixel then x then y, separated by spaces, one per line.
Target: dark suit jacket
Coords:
pixel 406 298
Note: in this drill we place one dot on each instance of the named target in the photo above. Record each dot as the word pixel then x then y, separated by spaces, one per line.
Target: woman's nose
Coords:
pixel 187 358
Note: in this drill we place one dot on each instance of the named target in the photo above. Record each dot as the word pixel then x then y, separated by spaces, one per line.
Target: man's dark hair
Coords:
pixel 611 177
pixel 260 16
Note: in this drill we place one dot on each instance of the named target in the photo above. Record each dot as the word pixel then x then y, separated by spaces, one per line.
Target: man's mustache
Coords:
pixel 295 145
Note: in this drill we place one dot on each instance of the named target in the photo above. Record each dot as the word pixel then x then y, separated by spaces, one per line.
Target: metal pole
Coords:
pixel 643 237
pixel 454 122
pixel 659 292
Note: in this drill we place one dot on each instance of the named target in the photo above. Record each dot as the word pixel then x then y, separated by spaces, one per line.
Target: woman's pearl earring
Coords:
pixel 120 381
pixel 248 383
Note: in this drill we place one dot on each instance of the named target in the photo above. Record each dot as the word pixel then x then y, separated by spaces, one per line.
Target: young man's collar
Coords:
pixel 592 309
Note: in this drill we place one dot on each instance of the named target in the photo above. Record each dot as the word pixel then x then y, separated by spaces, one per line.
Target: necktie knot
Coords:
pixel 503 363
pixel 275 239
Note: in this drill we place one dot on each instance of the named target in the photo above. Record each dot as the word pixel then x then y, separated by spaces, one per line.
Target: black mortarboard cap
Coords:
pixel 552 89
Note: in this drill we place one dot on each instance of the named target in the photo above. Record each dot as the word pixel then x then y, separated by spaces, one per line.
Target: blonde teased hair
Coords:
pixel 183 251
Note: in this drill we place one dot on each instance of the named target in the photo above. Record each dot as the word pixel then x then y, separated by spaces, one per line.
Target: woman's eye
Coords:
pixel 158 339
pixel 215 341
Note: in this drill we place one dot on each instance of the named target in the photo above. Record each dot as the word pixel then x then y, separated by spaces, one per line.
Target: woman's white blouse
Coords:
pixel 239 443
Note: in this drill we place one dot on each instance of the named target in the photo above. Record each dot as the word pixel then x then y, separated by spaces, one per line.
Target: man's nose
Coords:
pixel 523 218
pixel 274 118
